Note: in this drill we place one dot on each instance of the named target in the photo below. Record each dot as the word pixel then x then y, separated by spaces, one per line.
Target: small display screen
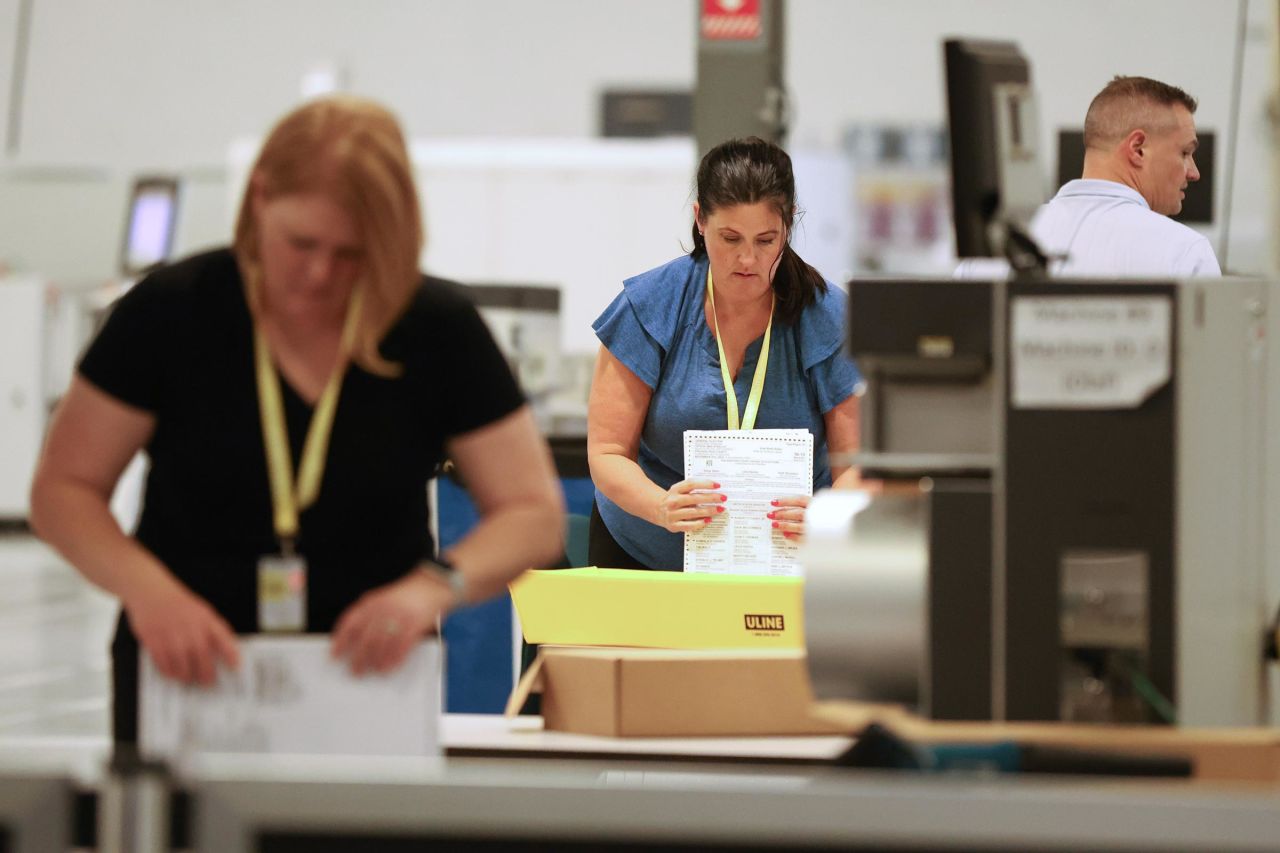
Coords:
pixel 152 216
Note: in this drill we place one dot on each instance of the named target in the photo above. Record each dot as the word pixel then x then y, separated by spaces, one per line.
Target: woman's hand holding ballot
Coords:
pixel 787 515
pixel 689 505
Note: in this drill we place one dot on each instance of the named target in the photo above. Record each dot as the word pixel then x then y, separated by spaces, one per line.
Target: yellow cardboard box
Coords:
pixel 672 610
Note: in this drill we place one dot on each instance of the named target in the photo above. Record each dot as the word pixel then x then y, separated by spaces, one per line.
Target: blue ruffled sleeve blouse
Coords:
pixel 657 328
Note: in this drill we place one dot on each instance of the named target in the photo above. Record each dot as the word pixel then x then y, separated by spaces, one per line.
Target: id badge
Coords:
pixel 282 593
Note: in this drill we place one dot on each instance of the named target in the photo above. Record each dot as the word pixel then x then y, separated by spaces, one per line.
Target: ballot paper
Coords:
pixel 289 696
pixel 753 467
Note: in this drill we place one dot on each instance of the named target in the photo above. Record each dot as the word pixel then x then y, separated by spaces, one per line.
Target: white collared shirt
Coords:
pixel 1095 228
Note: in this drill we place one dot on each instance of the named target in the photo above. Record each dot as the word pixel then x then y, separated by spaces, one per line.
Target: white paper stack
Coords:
pixel 290 696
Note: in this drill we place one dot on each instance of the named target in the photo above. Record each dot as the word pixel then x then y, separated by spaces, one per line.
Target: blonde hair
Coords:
pixel 351 150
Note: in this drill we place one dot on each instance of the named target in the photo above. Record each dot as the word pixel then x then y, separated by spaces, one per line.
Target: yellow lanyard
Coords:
pixel 287 497
pixel 757 381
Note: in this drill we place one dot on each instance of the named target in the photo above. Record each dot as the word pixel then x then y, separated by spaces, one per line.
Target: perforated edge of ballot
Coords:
pixel 666 610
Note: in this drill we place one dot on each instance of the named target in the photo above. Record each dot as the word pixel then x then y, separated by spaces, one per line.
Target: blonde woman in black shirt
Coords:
pixel 312 345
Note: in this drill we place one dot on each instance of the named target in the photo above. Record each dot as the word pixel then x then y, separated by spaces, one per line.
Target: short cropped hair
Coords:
pixel 1128 103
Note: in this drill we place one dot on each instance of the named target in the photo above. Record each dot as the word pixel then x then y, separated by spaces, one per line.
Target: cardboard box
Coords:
pixel 673 610
pixel 671 693
pixel 665 654
pixel 1219 754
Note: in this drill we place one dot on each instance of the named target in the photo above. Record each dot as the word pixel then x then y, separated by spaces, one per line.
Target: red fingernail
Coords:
pixel 719 509
pixel 724 498
pixel 788 534
pixel 715 485
pixel 773 503
pixel 775 524
pixel 706 521
pixel 768 515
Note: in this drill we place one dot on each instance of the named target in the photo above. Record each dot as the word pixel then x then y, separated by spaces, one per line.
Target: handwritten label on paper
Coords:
pixel 1088 352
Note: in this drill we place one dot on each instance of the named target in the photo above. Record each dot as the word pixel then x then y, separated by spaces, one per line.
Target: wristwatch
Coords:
pixel 454 579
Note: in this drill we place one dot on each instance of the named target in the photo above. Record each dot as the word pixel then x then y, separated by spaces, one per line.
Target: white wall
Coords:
pixel 170 83
pixel 155 84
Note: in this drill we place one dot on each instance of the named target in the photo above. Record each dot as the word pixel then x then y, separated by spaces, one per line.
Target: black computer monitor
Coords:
pixel 995 176
pixel 150 221
pixel 646 113
pixel 1197 207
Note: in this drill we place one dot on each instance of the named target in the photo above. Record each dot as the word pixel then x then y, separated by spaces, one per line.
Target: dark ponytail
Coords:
pixel 748 171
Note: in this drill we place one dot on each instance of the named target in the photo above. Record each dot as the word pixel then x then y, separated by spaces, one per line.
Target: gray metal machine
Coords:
pixel 1075 519
pixel 740 88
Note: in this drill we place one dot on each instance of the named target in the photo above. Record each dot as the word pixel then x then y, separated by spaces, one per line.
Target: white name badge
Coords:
pixel 282 594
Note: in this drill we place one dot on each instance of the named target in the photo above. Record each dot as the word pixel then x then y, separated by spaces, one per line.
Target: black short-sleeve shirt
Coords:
pixel 179 345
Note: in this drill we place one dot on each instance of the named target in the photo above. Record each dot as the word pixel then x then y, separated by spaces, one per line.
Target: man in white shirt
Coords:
pixel 1140 143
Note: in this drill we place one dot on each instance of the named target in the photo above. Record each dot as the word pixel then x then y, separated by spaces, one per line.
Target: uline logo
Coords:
pixel 764 622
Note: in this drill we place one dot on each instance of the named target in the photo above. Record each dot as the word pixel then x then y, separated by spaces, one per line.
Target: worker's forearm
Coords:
pixel 506 542
pixel 624 482
pixel 845 478
pixel 78 523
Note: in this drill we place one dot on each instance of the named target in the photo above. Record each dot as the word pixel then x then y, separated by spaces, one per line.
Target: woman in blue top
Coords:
pixel 665 339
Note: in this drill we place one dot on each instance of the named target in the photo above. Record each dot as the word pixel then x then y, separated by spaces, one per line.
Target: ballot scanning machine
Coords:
pixel 1086 539
pixel 1078 474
